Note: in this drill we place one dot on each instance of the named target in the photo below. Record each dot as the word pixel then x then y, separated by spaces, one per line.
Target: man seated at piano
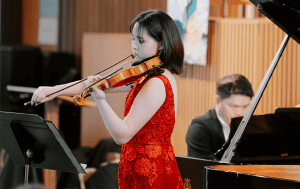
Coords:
pixel 207 133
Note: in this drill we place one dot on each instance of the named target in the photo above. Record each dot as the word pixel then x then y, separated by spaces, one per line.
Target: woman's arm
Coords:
pixel 40 94
pixel 147 102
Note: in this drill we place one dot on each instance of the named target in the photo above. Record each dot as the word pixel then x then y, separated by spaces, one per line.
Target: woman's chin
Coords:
pixel 137 59
pixel 141 58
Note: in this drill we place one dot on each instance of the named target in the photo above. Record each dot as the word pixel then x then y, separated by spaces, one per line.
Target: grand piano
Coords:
pixel 262 150
pixel 267 156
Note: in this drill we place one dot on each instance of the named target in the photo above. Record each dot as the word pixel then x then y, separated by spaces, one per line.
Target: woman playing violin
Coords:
pixel 147 158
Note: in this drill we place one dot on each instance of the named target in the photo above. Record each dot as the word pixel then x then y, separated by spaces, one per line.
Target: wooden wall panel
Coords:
pixel 30 16
pixel 247 47
pixel 112 16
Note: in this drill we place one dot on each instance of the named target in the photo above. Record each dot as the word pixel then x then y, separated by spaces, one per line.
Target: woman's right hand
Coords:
pixel 40 93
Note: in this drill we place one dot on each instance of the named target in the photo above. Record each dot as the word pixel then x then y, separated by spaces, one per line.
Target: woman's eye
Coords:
pixel 141 41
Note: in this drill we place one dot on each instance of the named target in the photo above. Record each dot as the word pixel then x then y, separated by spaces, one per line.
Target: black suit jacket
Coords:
pixel 205 136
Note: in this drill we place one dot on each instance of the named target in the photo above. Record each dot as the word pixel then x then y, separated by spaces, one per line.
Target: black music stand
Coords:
pixel 31 141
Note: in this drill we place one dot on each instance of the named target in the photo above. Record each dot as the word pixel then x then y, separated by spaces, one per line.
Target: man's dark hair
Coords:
pixel 234 84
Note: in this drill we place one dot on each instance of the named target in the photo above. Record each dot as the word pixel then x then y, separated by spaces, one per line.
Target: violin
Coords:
pixel 112 80
pixel 118 79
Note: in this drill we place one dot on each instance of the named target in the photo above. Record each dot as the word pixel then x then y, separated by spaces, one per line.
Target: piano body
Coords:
pixel 267 149
pixel 253 177
pixel 267 157
pixel 262 151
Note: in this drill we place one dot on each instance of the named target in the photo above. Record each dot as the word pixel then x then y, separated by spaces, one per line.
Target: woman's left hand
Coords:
pixel 97 92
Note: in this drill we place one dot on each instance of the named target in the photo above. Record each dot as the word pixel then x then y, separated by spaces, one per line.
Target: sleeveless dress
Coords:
pixel 148 159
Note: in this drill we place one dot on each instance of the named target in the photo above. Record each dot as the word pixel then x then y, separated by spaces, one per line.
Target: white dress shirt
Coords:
pixel 225 126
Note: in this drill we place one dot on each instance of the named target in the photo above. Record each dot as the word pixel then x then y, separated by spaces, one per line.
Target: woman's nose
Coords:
pixel 134 46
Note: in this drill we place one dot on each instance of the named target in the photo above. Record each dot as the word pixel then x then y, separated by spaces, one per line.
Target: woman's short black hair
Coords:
pixel 162 28
pixel 234 84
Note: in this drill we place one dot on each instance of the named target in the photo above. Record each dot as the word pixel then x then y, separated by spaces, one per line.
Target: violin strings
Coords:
pixel 104 70
pixel 107 76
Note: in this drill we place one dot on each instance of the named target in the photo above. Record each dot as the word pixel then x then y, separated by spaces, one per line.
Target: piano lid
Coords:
pixel 269 138
pixel 284 13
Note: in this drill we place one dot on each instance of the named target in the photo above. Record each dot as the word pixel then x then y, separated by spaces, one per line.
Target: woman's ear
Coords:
pixel 160 44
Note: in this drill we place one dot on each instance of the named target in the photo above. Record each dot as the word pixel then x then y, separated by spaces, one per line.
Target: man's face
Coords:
pixel 235 106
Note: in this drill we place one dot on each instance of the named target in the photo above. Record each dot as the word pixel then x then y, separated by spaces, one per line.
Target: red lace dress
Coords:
pixel 148 159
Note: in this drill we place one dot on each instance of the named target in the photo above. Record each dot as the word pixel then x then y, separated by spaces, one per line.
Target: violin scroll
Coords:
pixel 81 99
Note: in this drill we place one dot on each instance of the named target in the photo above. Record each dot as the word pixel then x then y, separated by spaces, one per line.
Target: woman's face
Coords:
pixel 143 45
